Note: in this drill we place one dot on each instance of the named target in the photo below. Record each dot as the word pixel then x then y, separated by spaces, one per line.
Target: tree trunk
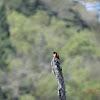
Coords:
pixel 56 68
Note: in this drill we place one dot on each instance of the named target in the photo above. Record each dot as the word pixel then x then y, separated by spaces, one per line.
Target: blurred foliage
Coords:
pixel 5 46
pixel 30 30
pixel 27 97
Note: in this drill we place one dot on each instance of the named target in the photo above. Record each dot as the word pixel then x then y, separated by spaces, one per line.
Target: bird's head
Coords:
pixel 55 54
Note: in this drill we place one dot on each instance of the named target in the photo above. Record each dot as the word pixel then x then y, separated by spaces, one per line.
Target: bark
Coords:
pixel 56 68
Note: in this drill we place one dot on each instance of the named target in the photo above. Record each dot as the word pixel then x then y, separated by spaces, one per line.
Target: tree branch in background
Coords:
pixel 56 68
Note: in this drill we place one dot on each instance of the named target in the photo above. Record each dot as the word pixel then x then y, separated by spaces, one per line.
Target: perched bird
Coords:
pixel 56 55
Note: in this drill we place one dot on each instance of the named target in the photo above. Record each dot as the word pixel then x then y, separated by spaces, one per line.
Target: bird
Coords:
pixel 56 55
